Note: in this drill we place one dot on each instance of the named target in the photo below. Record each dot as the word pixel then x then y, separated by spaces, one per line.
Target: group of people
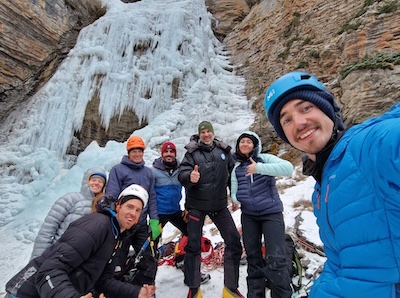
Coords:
pixel 82 247
pixel 205 172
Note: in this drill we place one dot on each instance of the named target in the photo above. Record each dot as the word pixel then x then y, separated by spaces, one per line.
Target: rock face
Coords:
pixel 321 37
pixel 266 38
pixel 35 37
pixel 227 14
pixel 120 128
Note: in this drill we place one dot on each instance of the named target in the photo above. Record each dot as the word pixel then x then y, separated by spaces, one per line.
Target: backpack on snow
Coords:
pixel 294 266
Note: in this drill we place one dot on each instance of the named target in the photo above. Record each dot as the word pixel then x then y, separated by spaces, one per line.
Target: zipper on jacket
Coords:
pixel 326 207
pixel 118 245
pixel 328 223
pixel 48 278
pixel 318 205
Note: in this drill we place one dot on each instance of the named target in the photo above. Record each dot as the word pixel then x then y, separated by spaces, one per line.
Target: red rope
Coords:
pixel 210 260
pixel 214 260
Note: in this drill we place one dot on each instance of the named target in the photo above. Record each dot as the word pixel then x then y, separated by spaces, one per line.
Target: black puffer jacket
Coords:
pixel 215 164
pixel 80 261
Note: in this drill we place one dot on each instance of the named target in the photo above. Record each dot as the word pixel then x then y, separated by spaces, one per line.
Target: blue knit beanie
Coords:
pixel 99 175
pixel 323 100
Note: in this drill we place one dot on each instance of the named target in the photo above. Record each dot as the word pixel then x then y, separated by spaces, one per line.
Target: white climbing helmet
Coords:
pixel 134 190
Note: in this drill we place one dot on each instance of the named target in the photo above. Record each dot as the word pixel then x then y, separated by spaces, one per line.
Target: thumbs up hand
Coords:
pixel 195 175
pixel 251 169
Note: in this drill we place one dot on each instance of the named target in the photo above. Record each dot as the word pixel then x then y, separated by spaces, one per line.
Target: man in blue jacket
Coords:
pixel 168 188
pixel 357 192
pixel 169 192
pixel 132 170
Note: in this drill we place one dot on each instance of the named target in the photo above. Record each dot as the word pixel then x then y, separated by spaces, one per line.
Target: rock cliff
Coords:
pixel 324 38
pixel 35 37
pixel 352 46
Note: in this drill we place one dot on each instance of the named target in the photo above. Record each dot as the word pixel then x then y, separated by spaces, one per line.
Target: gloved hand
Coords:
pixel 155 227
pixel 185 215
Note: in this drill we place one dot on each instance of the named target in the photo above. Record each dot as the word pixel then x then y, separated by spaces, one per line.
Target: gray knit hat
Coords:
pixel 205 125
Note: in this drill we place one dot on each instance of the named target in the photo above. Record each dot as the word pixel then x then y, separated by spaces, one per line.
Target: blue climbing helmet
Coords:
pixel 289 83
pixel 303 85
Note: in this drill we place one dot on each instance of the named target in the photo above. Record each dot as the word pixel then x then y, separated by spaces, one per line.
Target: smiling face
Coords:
pixel 96 185
pixel 128 213
pixel 246 146
pixel 136 155
pixel 169 155
pixel 206 136
pixel 306 127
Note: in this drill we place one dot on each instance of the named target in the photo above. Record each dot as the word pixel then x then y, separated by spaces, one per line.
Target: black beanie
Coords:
pixel 253 138
pixel 323 100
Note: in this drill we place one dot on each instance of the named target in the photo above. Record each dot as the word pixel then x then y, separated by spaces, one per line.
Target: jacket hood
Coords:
pixel 256 150
pixel 193 143
pixel 394 112
pixel 136 165
pixel 159 164
pixel 85 190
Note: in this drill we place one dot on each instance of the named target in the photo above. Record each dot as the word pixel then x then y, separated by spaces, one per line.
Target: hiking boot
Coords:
pixel 204 278
pixel 195 293
pixel 228 293
pixel 180 262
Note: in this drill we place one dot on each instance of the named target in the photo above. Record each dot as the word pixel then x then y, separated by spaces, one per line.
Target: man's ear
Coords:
pixel 117 206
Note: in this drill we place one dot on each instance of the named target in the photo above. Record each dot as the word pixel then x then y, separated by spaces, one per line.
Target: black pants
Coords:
pixel 272 270
pixel 176 219
pixel 233 249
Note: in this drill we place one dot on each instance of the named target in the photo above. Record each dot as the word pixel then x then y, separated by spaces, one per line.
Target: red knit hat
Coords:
pixel 168 145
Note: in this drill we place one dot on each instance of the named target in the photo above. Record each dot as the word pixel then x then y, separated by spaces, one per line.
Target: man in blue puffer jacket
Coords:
pixel 357 190
pixel 168 187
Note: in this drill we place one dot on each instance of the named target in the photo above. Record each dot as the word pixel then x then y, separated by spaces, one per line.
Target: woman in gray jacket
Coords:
pixel 69 208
